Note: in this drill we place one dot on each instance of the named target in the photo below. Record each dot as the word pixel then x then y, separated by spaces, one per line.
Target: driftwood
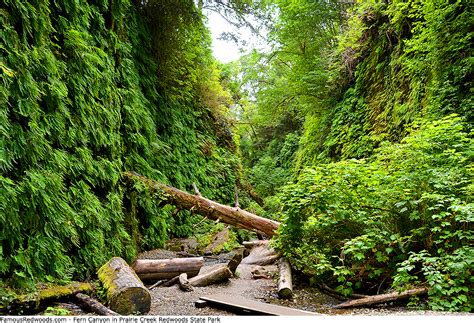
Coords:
pixel 158 283
pixel 152 269
pixel 217 275
pixel 285 283
pixel 43 296
pixel 92 305
pixel 184 283
pixel 378 299
pixel 210 209
pixel 235 261
pixel 260 272
pixel 126 294
pixel 171 282
pixel 262 256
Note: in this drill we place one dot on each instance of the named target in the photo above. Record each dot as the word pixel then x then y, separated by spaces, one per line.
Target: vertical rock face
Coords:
pixel 126 293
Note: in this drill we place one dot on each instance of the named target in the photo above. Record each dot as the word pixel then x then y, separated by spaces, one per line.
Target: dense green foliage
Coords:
pixel 396 62
pixel 399 218
pixel 363 108
pixel 89 89
pixel 372 81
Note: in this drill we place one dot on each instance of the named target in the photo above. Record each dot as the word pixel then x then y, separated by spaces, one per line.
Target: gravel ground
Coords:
pixel 171 301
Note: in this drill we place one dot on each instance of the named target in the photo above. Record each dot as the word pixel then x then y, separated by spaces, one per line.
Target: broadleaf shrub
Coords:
pixel 401 218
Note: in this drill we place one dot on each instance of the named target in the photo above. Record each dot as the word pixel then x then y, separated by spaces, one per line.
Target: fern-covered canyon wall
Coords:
pixel 90 89
pixel 394 63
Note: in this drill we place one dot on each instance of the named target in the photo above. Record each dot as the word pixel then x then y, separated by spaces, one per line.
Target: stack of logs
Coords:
pixel 126 293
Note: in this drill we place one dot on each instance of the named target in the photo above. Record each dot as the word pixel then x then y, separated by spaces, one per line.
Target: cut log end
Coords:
pixel 131 300
pixel 285 293
pixel 126 293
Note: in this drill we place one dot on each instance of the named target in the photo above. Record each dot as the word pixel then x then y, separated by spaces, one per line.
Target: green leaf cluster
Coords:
pixel 396 61
pixel 403 217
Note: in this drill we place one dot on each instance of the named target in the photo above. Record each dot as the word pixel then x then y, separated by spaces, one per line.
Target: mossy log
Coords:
pixel 92 305
pixel 210 209
pixel 126 293
pixel 285 283
pixel 34 301
pixel 217 275
pixel 378 299
pixel 156 269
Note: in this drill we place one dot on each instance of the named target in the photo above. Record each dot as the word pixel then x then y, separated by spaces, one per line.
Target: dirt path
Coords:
pixel 171 301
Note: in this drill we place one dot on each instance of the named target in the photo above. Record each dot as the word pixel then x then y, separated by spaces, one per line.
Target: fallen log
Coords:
pixel 158 283
pixel 285 283
pixel 171 282
pixel 255 243
pixel 217 275
pixel 210 209
pixel 39 298
pixel 126 293
pixel 262 256
pixel 378 299
pixel 247 187
pixel 184 283
pixel 154 269
pixel 235 261
pixel 332 292
pixel 92 305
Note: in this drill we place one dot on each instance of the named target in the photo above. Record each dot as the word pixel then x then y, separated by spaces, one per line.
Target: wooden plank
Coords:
pixel 240 304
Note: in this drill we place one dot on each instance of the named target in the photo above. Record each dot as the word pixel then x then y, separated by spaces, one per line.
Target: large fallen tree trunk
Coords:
pixel 210 209
pixel 126 293
pixel 217 275
pixel 157 269
pixel 378 299
pixel 285 282
pixel 92 305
